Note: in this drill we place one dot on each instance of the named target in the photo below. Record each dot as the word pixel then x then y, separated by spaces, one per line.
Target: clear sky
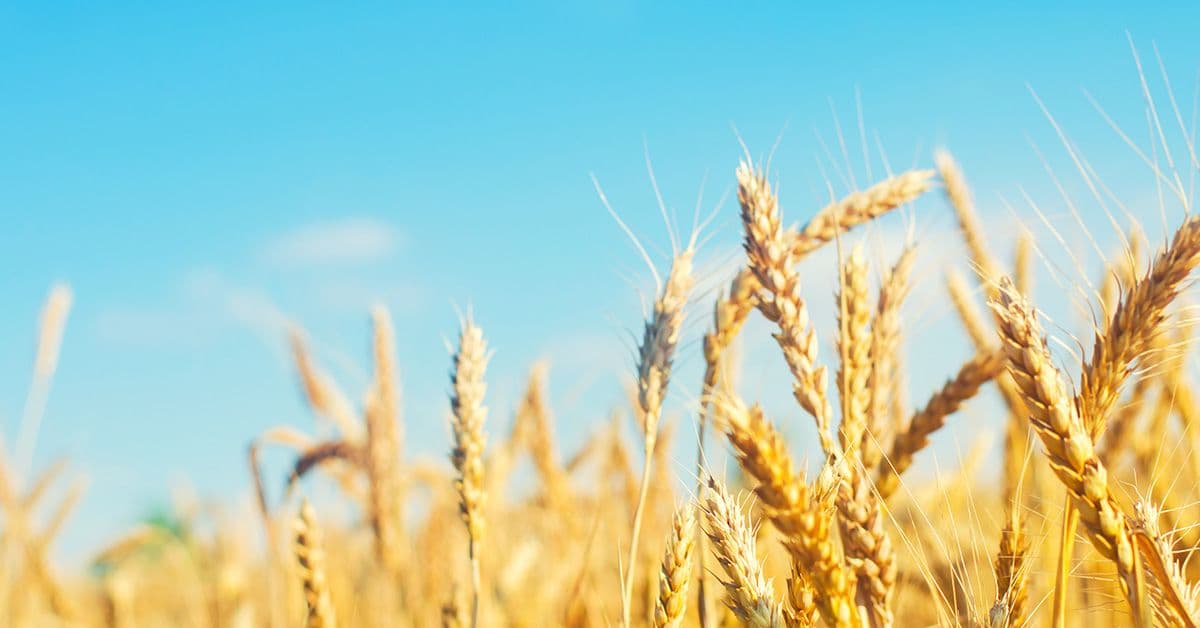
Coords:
pixel 201 174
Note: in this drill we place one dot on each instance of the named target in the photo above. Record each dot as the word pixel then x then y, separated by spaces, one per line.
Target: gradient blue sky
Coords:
pixel 200 174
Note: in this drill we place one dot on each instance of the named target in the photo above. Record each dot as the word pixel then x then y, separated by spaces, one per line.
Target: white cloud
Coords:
pixel 343 241
pixel 202 302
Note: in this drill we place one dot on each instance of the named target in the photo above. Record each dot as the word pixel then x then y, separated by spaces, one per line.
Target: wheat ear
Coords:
pixel 467 417
pixel 959 195
pixel 750 595
pixel 885 345
pixel 854 348
pixel 773 264
pixel 384 445
pixel 973 374
pixel 310 556
pixel 676 569
pixel 729 315
pixel 802 515
pixel 656 355
pixel 1068 444
pixel 1176 601
pixel 1137 320
pixel 1010 609
pixel 857 208
pixel 324 397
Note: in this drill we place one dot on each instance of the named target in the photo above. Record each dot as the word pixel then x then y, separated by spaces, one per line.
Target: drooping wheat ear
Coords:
pixel 467 417
pixel 676 568
pixel 858 208
pixel 773 264
pixel 854 348
pixel 310 556
pixel 321 453
pixel 959 195
pixel 974 373
pixel 804 517
pixel 656 355
pixel 1136 321
pixel 885 344
pixel 750 594
pixel 1067 442
pixel 323 396
pixel 1012 597
pixel 1175 599
pixel 384 445
pixel 729 315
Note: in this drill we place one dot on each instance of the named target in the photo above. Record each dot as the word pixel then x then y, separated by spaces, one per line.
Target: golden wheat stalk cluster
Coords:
pixel 1100 445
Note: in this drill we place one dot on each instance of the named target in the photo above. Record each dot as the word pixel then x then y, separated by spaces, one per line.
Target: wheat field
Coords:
pixel 1090 517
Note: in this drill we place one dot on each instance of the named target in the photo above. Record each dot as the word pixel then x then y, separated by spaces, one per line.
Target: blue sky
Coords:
pixel 200 174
